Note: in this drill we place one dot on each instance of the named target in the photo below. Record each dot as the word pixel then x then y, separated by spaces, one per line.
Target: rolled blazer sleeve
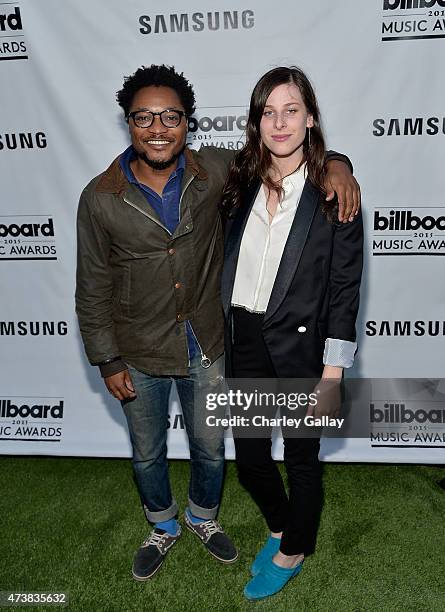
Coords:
pixel 344 292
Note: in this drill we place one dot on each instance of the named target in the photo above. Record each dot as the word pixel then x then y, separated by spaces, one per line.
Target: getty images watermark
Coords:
pixel 387 412
pixel 256 400
pixel 252 412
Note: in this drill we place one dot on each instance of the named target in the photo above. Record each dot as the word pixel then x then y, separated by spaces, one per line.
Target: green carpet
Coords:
pixel 73 525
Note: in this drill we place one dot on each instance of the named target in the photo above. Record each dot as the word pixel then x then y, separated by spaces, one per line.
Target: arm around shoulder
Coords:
pixel 345 278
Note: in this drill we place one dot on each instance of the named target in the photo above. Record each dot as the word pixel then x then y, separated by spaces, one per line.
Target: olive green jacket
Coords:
pixel 137 283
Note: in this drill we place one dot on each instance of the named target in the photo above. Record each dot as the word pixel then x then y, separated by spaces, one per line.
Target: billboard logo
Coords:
pixel 414 20
pixel 402 5
pixel 394 424
pixel 25 237
pixel 37 419
pixel 12 43
pixel 415 231
pixel 11 21
pixel 221 127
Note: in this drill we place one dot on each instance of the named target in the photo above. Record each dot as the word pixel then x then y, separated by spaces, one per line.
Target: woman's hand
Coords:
pixel 339 180
pixel 332 372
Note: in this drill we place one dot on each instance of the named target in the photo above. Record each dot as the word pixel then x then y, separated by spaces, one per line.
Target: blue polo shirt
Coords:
pixel 166 207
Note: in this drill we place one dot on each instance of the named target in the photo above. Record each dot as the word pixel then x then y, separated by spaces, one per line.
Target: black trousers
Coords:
pixel 297 514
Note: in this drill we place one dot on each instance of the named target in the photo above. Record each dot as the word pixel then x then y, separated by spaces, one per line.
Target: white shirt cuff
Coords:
pixel 339 353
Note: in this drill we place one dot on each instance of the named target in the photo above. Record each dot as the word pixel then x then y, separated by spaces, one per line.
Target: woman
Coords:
pixel 290 293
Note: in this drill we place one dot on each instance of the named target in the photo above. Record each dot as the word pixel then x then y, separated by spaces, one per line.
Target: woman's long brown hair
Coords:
pixel 254 161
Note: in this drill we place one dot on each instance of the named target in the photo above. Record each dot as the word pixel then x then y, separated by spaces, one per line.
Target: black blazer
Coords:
pixel 316 287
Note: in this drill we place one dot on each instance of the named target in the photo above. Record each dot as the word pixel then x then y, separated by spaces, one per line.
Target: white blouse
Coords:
pixel 263 243
pixel 261 249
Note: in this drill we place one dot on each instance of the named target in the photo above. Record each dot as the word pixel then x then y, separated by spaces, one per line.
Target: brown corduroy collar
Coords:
pixel 113 180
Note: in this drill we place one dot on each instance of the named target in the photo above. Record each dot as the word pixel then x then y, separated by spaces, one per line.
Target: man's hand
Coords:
pixel 340 181
pixel 120 385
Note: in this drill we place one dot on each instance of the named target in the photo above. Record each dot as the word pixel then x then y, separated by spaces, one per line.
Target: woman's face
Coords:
pixel 284 122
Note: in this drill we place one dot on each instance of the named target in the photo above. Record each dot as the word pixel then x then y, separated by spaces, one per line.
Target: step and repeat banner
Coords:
pixel 377 66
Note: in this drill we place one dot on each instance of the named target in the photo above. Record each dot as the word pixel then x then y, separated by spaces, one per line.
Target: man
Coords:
pixel 148 298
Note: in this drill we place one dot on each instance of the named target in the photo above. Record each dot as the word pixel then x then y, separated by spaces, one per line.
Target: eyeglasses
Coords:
pixel 144 118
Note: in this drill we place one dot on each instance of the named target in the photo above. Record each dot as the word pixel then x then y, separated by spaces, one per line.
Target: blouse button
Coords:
pixel 302 329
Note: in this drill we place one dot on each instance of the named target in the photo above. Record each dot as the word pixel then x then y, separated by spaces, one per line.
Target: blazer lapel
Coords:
pixel 233 244
pixel 294 247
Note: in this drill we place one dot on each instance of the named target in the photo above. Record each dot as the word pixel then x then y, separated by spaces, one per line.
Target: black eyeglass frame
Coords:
pixel 153 115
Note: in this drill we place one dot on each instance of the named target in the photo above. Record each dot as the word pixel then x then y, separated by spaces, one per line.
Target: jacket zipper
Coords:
pixel 147 215
pixel 182 194
pixel 153 218
pixel 205 361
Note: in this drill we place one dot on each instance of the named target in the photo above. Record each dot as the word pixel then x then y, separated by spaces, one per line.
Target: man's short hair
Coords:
pixel 164 76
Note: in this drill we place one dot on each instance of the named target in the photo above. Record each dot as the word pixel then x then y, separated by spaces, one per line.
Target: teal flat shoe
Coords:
pixel 270 579
pixel 270 548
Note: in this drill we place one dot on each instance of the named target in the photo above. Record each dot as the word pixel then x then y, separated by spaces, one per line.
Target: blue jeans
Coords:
pixel 147 417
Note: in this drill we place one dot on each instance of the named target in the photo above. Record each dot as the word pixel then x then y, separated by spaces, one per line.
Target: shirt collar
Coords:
pixel 296 179
pixel 130 154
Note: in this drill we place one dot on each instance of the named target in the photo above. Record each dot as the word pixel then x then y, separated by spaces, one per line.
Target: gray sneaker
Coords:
pixel 214 539
pixel 150 556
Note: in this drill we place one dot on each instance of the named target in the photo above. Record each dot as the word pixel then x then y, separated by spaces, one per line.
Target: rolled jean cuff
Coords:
pixel 204 513
pixel 162 515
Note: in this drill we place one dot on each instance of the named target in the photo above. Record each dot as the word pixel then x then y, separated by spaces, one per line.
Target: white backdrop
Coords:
pixel 377 67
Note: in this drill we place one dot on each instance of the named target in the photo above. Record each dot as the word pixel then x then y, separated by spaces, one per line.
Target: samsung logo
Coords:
pixel 409 126
pixel 23 140
pixel 405 328
pixel 197 22
pixel 33 328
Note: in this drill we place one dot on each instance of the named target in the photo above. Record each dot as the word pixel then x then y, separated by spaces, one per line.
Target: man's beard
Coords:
pixel 160 165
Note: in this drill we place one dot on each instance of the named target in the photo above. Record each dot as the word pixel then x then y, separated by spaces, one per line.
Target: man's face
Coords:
pixel 158 146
